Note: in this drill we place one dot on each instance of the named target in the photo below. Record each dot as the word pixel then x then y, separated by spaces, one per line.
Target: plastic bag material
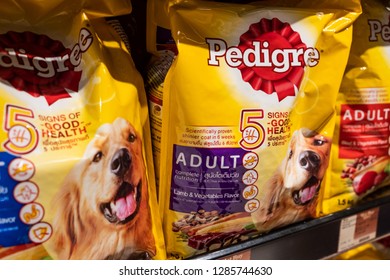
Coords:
pixel 76 172
pixel 363 252
pixel 34 11
pixel 162 49
pixel 157 21
pixel 249 107
pixel 375 250
pixel 360 161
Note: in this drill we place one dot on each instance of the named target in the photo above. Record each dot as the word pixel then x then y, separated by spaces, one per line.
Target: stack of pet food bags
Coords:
pixel 76 169
pixel 360 161
pixel 247 116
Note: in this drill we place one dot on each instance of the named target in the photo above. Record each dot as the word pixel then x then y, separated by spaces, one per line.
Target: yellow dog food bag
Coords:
pixel 360 161
pixel 248 117
pixel 76 170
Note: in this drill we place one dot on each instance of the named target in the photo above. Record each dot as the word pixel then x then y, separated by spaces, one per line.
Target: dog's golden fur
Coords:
pixel 284 200
pixel 87 225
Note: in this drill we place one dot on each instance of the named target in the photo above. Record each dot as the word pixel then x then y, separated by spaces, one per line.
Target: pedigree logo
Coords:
pixel 40 65
pixel 379 30
pixel 270 56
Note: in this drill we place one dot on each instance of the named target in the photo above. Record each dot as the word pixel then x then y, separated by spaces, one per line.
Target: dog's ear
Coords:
pixel 67 223
pixel 271 201
pixel 273 194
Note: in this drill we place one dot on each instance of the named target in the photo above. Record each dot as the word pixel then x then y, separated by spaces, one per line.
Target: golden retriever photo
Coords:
pixel 102 208
pixel 291 193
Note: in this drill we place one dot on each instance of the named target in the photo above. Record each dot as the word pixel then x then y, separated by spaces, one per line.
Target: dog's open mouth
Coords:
pixel 123 208
pixel 306 194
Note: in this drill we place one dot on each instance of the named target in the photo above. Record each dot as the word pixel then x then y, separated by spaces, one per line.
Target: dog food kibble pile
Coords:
pixel 194 219
pixel 356 165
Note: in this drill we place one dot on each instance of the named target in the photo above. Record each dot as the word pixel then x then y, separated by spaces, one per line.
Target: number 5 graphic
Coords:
pixel 22 135
pixel 253 133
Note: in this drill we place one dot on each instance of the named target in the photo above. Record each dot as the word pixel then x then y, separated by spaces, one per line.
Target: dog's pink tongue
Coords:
pixel 308 194
pixel 125 206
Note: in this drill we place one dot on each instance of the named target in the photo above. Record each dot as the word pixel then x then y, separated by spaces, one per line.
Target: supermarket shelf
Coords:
pixel 313 239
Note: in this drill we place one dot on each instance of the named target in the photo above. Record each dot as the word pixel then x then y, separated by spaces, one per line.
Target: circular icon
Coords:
pixel 251 135
pixel 157 110
pixel 252 205
pixel 31 213
pixel 250 192
pixel 26 192
pixel 250 160
pixel 249 177
pixel 21 169
pixel 19 136
pixel 40 232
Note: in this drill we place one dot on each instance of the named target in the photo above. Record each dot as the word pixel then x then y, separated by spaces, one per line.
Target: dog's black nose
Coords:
pixel 121 162
pixel 309 160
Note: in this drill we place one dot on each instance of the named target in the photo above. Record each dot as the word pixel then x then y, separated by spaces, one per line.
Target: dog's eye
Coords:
pixel 98 156
pixel 319 142
pixel 131 138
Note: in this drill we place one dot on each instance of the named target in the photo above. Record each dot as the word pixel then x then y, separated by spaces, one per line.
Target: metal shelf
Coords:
pixel 313 239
